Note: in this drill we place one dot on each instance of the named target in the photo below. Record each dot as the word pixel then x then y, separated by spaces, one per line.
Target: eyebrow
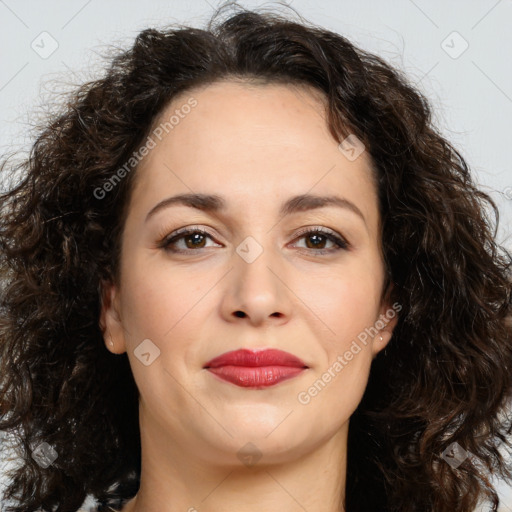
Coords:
pixel 215 203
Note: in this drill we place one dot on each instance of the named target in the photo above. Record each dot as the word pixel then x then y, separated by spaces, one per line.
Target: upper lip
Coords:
pixel 247 357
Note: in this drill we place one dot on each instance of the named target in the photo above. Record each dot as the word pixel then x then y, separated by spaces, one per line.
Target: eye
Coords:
pixel 193 239
pixel 317 238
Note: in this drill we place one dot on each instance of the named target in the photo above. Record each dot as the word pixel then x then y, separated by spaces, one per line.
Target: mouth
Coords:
pixel 256 369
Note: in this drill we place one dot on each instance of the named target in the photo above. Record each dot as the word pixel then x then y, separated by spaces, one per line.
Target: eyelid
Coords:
pixel 339 241
pixel 166 237
pixel 337 238
pixel 323 229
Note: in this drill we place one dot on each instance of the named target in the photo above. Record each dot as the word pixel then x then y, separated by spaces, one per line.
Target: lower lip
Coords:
pixel 257 376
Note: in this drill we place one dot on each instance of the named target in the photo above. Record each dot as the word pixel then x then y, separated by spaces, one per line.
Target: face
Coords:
pixel 254 276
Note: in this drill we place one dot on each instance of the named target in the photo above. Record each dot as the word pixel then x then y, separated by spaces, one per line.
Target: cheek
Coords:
pixel 158 299
pixel 347 304
pixel 345 300
pixel 340 377
pixel 161 306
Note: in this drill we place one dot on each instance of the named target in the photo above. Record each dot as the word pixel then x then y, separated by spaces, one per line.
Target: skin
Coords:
pixel 256 145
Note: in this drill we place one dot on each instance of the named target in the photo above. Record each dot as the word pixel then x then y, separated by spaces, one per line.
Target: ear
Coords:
pixel 110 319
pixel 386 323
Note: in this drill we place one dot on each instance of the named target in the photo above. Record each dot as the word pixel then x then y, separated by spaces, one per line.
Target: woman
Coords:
pixel 245 272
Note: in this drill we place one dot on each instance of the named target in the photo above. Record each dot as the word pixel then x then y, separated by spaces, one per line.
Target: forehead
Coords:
pixel 232 117
pixel 242 138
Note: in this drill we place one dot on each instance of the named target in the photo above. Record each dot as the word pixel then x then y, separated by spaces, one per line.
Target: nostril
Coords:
pixel 240 314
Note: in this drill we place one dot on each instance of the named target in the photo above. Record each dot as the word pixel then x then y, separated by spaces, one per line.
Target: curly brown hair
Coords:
pixel 446 375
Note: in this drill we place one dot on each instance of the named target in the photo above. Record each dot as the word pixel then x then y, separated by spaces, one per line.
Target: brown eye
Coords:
pixel 193 239
pixel 316 241
pixel 317 238
pixel 196 240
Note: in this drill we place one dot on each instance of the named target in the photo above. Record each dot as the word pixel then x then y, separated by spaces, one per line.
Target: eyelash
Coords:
pixel 168 241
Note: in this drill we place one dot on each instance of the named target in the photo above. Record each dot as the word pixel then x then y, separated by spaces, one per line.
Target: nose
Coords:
pixel 256 291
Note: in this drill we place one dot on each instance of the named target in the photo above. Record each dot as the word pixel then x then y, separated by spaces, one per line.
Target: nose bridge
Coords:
pixel 256 288
pixel 254 261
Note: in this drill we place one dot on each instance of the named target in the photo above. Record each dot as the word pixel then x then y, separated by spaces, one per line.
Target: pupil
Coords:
pixel 318 239
pixel 193 237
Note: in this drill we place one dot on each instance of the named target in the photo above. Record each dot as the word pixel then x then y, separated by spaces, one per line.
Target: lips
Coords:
pixel 262 368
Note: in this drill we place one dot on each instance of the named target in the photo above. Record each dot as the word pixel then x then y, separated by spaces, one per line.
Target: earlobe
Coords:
pixel 385 337
pixel 110 319
pixel 381 340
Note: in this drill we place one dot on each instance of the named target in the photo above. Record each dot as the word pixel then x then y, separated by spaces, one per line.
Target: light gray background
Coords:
pixel 469 88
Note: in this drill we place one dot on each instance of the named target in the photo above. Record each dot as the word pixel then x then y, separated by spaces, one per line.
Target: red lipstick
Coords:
pixel 262 368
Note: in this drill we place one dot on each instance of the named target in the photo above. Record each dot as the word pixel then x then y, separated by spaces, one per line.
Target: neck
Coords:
pixel 176 477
